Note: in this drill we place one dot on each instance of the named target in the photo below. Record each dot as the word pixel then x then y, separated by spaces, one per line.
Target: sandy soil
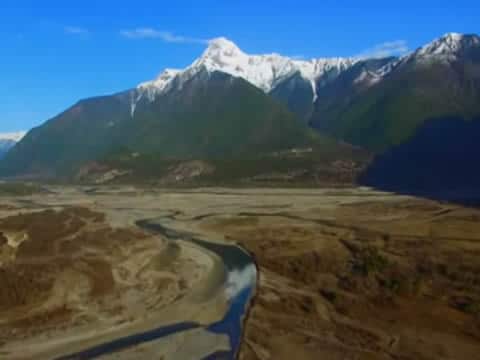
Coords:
pixel 70 280
pixel 190 345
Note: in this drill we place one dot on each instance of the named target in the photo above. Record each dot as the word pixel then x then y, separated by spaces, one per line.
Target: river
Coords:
pixel 239 287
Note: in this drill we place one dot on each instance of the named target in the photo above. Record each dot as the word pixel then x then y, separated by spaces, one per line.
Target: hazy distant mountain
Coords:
pixel 5 145
pixel 8 141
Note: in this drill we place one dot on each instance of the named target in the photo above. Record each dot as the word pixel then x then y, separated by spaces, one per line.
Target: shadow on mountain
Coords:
pixel 440 161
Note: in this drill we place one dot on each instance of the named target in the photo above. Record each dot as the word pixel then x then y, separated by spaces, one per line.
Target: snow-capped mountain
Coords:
pixel 230 104
pixel 445 49
pixel 264 71
pixel 297 83
pixel 8 140
pixel 438 79
pixel 448 47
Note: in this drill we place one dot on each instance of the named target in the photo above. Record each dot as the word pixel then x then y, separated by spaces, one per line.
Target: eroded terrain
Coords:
pixel 70 280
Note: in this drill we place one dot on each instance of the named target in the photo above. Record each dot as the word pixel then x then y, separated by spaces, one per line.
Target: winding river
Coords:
pixel 239 286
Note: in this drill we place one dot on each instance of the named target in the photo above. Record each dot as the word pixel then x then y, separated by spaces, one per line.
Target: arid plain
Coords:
pixel 343 273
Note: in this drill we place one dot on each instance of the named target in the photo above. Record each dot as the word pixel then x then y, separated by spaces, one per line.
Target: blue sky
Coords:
pixel 55 53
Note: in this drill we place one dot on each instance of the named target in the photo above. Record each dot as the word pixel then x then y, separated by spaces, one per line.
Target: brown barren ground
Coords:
pixel 344 274
pixel 367 280
pixel 68 280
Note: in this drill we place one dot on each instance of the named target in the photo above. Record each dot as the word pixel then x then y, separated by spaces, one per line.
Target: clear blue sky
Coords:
pixel 55 52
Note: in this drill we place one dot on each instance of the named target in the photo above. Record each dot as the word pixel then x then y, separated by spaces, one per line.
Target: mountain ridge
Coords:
pixel 231 105
pixel 263 71
pixel 439 79
pixel 212 117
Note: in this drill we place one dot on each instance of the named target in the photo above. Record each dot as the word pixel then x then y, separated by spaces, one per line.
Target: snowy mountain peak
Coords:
pixel 263 71
pixel 453 36
pixel 448 47
pixel 223 46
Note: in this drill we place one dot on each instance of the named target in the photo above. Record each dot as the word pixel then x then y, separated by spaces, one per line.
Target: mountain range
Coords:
pixel 231 105
pixel 385 107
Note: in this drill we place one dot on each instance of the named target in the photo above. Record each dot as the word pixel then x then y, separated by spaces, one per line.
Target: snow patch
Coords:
pixel 372 77
pixel 13 136
pixel 314 89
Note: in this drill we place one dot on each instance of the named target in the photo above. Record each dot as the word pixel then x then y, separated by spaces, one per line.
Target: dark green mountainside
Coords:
pixel 207 123
pixel 439 161
pixel 297 94
pixel 5 146
pixel 215 116
pixel 335 96
pixel 212 116
pixel 80 133
pixel 422 86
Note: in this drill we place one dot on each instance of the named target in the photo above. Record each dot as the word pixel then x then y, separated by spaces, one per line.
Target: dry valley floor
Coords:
pixel 344 274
